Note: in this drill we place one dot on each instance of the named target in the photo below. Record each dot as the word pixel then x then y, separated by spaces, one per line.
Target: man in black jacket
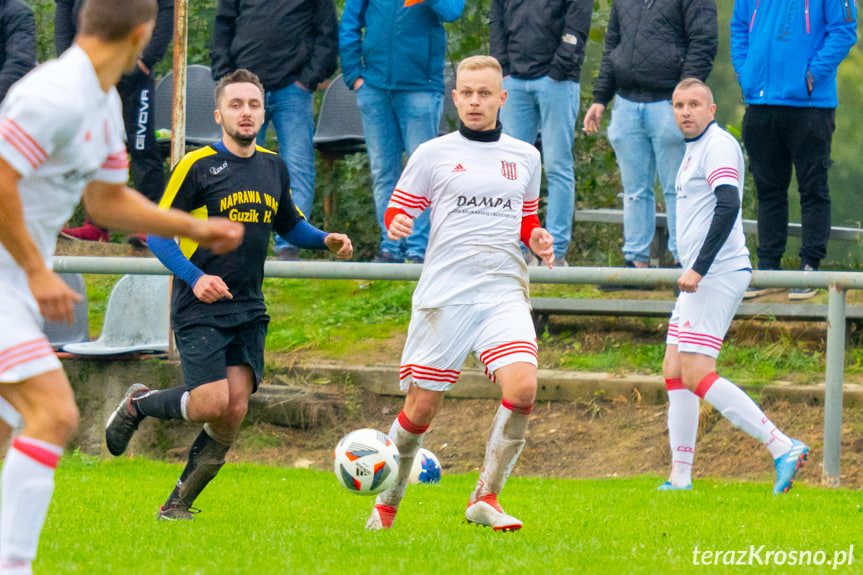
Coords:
pixel 541 52
pixel 137 90
pixel 650 46
pixel 17 43
pixel 292 46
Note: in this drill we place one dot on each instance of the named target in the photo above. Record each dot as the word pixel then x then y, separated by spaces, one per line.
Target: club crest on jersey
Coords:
pixel 508 169
pixel 215 170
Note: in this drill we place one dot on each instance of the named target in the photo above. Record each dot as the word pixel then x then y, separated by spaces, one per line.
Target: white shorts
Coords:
pixel 24 349
pixel 700 320
pixel 439 340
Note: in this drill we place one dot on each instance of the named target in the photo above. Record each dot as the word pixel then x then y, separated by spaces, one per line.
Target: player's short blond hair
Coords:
pixel 480 63
pixel 113 20
pixel 688 83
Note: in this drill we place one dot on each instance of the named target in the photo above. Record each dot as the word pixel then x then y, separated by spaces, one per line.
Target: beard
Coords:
pixel 243 140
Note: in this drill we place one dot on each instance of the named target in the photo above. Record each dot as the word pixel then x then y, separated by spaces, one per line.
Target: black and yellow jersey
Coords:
pixel 255 191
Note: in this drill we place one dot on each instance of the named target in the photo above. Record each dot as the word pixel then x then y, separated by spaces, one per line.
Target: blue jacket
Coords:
pixel 786 52
pixel 403 47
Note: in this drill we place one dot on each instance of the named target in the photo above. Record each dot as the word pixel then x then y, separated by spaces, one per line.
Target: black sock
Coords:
pixel 161 403
pixel 206 457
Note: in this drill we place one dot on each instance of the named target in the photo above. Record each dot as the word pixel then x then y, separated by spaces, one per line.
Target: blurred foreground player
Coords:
pixel 482 190
pixel 716 274
pixel 61 139
pixel 218 311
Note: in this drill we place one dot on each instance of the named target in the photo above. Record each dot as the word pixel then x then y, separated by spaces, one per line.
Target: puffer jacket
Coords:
pixel 650 46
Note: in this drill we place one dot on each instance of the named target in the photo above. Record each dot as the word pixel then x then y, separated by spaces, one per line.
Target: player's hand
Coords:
pixel 210 289
pixel 401 227
pixel 593 117
pixel 219 234
pixel 56 299
pixel 357 83
pixel 542 244
pixel 688 282
pixel 339 244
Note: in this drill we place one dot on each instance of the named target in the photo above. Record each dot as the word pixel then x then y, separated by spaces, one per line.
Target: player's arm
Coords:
pixel 207 288
pixel 291 225
pixel 724 215
pixel 117 206
pixel 406 205
pixel 533 235
pixel 55 298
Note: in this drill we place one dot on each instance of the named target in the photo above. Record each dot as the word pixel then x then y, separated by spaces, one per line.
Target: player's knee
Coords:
pixel 236 411
pixel 209 408
pixel 60 423
pixel 523 392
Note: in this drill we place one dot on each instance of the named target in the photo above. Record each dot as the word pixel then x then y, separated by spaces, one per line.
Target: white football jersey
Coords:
pixel 478 193
pixel 713 159
pixel 59 130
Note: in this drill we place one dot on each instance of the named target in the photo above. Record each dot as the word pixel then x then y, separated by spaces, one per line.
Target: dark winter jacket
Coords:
pixel 282 41
pixel 66 26
pixel 17 43
pixel 534 39
pixel 651 45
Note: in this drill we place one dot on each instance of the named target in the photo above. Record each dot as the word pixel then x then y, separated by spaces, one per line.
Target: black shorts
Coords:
pixel 206 351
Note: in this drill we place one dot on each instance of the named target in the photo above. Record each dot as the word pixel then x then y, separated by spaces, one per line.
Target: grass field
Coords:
pixel 269 520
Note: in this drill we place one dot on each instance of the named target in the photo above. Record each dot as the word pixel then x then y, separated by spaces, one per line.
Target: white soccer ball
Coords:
pixel 426 468
pixel 366 461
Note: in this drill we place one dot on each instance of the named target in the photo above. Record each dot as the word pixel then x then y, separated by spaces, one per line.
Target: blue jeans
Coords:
pixel 291 110
pixel 551 106
pixel 647 142
pixel 395 122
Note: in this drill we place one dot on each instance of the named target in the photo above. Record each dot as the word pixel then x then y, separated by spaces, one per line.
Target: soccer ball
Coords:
pixel 366 461
pixel 426 468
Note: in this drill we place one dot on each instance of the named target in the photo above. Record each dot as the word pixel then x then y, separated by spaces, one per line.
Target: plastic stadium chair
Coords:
pixel 340 126
pixel 201 126
pixel 60 333
pixel 136 318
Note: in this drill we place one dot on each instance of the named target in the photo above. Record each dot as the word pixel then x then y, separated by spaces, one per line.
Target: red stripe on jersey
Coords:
pixel 28 141
pixel 406 199
pixel 408 366
pixel 702 336
pixel 530 207
pixel 722 173
pixel 20 146
pixel 506 347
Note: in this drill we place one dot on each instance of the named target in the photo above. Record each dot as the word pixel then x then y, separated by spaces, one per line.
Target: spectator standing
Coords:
pixel 649 47
pixel 786 55
pixel 541 52
pixel 137 91
pixel 393 56
pixel 292 46
pixel 17 43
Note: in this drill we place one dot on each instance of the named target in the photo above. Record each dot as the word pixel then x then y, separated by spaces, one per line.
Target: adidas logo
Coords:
pixel 459 168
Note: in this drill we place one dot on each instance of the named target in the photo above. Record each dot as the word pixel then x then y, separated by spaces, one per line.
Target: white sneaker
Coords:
pixel 382 517
pixel 487 511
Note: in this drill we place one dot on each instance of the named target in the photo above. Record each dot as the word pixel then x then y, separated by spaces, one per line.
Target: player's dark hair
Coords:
pixel 239 76
pixel 112 20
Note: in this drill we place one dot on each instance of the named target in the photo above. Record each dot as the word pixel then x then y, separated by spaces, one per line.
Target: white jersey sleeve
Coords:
pixel 29 130
pixel 720 165
pixel 413 190
pixel 530 206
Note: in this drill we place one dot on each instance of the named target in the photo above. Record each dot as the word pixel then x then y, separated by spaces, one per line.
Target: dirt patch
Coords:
pixel 596 439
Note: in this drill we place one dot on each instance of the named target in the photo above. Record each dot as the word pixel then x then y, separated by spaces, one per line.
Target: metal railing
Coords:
pixel 836 283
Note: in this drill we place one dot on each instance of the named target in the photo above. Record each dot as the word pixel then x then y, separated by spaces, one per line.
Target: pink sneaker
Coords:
pixel 88 232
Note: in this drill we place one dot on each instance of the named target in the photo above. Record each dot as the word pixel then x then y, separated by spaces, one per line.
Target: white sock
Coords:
pixel 26 486
pixel 408 437
pixel 505 442
pixel 682 431
pixel 733 403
